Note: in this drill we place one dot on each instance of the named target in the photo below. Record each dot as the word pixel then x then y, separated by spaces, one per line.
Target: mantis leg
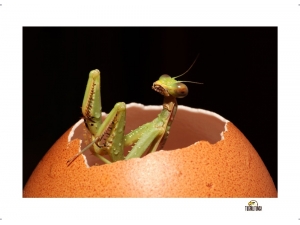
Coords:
pixel 149 136
pixel 146 140
pixel 110 135
pixel 109 138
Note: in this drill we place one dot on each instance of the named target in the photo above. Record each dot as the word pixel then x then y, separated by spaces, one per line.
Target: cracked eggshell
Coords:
pixel 210 157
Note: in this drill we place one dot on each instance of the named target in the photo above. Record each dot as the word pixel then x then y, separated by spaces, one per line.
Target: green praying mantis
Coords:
pixel 108 139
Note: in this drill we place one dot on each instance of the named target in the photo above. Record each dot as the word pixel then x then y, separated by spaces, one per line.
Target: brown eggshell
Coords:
pixel 212 158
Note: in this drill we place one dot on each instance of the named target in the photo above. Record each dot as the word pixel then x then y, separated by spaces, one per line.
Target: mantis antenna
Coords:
pixel 188 68
pixel 186 81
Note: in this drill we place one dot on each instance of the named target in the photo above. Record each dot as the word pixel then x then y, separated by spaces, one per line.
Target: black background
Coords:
pixel 238 67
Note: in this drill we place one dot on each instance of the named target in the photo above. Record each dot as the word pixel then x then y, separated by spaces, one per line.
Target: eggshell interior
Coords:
pixel 208 157
pixel 189 126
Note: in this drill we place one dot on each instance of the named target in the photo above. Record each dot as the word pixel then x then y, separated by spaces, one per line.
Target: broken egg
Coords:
pixel 204 156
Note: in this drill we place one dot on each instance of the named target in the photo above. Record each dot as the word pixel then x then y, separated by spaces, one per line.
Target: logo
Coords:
pixel 253 206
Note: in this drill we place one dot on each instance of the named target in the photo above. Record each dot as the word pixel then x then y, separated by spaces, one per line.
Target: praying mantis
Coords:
pixel 108 139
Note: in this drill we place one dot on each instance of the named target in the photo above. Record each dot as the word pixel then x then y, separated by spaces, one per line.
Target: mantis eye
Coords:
pixel 179 90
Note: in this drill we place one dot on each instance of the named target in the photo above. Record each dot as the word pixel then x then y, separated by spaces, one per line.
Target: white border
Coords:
pixel 15 14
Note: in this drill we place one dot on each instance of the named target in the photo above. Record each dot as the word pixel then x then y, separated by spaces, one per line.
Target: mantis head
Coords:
pixel 168 86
